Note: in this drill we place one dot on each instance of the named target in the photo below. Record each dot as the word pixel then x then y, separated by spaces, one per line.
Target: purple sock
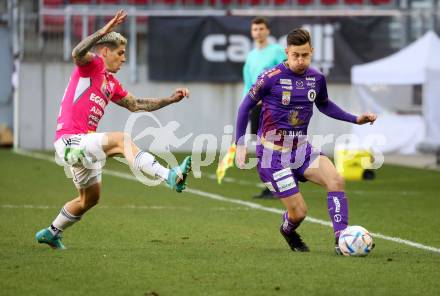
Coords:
pixel 338 210
pixel 288 226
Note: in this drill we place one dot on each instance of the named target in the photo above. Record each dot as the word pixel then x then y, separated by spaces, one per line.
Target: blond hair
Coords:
pixel 112 40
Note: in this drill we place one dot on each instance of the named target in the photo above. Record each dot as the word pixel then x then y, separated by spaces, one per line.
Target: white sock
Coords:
pixel 62 221
pixel 145 162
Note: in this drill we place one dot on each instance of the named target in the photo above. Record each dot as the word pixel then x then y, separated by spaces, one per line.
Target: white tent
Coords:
pixel 416 64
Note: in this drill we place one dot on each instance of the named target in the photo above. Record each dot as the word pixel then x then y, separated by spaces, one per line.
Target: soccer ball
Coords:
pixel 355 241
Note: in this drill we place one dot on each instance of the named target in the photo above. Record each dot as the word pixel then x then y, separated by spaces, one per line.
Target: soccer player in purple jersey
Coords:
pixel 288 93
pixel 91 87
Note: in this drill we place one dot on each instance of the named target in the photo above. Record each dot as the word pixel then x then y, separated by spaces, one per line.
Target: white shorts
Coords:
pixel 88 172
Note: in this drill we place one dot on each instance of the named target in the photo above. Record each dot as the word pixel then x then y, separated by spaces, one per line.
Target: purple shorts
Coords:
pixel 281 171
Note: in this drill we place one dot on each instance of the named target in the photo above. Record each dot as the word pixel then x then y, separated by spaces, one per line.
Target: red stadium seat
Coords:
pixel 329 2
pixel 53 23
pixel 77 25
pixel 380 2
pixel 79 2
pixel 140 3
pixel 169 2
pixel 136 2
pixel 353 2
pixel 53 2
pixel 109 2
pixel 198 2
pixel 280 2
pixel 305 2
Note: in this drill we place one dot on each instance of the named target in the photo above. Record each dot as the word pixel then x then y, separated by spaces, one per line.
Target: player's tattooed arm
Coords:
pixel 81 54
pixel 134 103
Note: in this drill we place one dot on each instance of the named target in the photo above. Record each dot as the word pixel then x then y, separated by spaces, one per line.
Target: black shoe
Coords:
pixel 265 194
pixel 295 242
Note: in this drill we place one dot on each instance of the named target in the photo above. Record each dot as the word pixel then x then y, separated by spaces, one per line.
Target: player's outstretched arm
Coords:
pixel 242 120
pixel 81 54
pixel 367 117
pixel 134 104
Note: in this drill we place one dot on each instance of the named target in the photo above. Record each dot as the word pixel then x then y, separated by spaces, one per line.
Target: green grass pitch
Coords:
pixel 151 241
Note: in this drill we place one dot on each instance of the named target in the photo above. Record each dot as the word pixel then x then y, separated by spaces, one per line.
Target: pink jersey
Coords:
pixel 89 90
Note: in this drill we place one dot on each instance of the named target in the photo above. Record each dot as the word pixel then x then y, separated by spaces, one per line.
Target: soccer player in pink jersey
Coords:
pixel 91 87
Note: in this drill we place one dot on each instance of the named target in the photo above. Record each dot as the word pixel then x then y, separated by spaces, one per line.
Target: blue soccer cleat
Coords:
pixel 44 236
pixel 174 181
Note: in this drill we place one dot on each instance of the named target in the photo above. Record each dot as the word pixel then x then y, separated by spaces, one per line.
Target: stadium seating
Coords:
pixel 79 2
pixel 329 2
pixel 305 2
pixel 381 2
pixel 56 23
pixel 108 2
pixel 213 3
pixel 52 23
pixel 77 25
pixel 353 2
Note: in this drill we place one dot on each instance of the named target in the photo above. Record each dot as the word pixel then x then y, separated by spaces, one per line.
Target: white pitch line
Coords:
pixel 241 202
pixel 129 207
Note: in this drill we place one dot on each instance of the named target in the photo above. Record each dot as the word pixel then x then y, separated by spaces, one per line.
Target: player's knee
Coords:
pixel 302 213
pixel 89 200
pixel 336 183
pixel 298 214
pixel 123 139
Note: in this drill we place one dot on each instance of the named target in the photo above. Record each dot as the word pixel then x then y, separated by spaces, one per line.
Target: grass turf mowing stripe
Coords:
pixel 240 202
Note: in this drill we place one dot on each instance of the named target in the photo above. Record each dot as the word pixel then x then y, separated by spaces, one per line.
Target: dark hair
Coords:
pixel 260 20
pixel 298 37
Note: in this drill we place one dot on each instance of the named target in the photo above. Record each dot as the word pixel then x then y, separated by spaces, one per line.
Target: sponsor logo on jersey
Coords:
pixel 254 90
pixel 295 120
pixel 112 85
pixel 285 81
pixel 273 73
pixel 288 87
pixel 98 100
pixel 311 95
pixel 310 84
pixel 310 78
pixel 96 111
pixel 285 100
pixel 282 173
pixel 299 84
pixel 286 184
pixel 289 133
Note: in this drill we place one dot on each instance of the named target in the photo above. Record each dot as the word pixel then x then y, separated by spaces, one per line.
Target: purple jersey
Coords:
pixel 287 106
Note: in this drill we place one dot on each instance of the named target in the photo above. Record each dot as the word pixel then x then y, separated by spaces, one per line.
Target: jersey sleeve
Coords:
pixel 119 92
pixel 96 64
pixel 260 88
pixel 322 96
pixel 326 106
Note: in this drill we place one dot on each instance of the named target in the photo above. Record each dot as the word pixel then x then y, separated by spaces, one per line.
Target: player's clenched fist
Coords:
pixel 179 94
